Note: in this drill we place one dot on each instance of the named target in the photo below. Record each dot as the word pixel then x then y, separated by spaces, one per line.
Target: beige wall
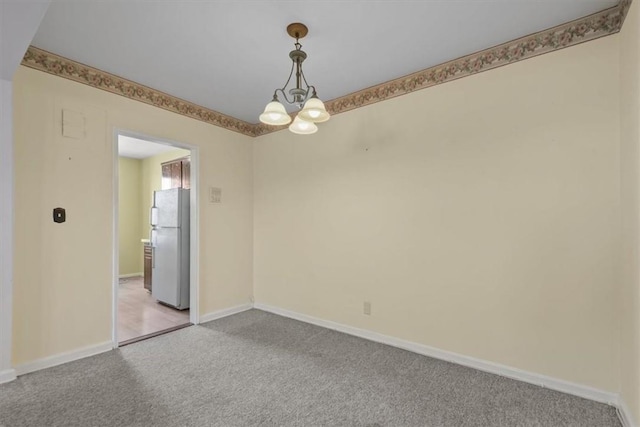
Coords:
pixel 152 181
pixel 63 272
pixel 630 190
pixel 129 212
pixel 480 216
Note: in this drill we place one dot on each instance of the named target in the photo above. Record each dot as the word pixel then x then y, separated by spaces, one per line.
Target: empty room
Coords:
pixel 388 213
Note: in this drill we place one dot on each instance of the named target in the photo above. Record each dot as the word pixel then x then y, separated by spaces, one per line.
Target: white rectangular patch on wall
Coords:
pixel 73 125
pixel 215 195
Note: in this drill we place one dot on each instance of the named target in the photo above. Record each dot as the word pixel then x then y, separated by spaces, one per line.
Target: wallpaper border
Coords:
pixel 604 23
pixel 60 66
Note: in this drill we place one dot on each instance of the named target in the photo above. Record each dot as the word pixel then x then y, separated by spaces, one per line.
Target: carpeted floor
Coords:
pixel 256 368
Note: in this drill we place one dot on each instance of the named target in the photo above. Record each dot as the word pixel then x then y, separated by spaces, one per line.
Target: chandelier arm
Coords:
pixel 284 95
pixel 289 79
pixel 304 78
pixel 309 93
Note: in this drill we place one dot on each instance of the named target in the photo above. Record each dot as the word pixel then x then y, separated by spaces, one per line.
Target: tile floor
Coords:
pixel 140 314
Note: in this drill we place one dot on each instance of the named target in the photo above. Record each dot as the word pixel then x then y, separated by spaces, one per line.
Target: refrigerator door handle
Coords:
pixel 153 216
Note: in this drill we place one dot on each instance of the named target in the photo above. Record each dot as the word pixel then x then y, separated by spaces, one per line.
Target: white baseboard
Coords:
pixel 81 353
pixel 482 365
pixel 225 312
pixel 125 276
pixel 7 375
pixel 625 415
pixel 61 358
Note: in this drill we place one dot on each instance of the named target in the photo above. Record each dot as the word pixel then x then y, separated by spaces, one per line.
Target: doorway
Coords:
pixel 155 237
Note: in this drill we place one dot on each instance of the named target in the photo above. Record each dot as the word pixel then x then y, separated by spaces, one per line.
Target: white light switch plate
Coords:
pixel 215 195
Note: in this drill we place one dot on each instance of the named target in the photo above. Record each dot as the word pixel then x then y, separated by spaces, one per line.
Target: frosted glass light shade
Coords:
pixel 275 114
pixel 314 111
pixel 302 127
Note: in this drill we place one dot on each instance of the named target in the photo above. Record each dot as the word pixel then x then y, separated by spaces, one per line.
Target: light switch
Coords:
pixel 215 195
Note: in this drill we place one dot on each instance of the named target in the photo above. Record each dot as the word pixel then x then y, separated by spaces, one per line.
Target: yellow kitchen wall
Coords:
pixel 152 181
pixel 129 212
pixel 63 272
pixel 480 216
pixel 630 190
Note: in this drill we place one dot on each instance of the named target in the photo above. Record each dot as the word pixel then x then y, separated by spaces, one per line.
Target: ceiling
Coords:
pixel 135 148
pixel 229 56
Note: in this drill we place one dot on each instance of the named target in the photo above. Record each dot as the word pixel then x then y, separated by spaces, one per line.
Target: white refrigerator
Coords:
pixel 170 246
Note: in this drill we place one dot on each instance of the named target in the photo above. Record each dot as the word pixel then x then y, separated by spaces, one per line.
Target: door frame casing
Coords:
pixel 194 227
pixel 7 373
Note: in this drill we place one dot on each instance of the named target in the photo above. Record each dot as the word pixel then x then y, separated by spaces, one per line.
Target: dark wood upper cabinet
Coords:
pixel 186 174
pixel 176 174
pixel 166 176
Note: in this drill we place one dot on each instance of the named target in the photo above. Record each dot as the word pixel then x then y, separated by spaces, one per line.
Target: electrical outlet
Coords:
pixel 367 308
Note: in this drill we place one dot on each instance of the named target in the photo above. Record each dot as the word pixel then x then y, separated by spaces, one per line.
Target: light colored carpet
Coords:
pixel 256 368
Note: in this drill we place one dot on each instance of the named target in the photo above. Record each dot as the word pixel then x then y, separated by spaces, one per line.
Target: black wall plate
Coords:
pixel 59 215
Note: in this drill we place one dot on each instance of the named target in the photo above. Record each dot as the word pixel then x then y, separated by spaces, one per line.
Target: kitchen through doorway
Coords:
pixel 154 212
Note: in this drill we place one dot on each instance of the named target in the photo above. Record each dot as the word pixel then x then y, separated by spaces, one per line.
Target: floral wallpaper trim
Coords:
pixel 594 26
pixel 624 6
pixel 57 65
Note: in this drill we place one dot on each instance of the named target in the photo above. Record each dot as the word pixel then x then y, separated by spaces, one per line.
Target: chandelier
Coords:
pixel 312 109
